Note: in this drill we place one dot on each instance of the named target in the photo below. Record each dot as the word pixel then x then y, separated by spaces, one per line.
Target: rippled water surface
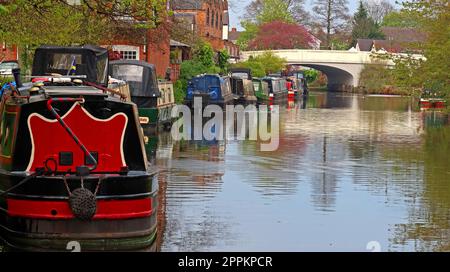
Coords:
pixel 349 170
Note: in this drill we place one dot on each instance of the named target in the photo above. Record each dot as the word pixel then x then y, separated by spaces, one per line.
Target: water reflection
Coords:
pixel 349 170
pixel 428 226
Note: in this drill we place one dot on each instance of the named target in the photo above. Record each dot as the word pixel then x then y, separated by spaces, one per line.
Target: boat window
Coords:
pixel 240 75
pixel 64 63
pixel 102 70
pixel 132 74
pixel 256 86
pixel 248 87
pixel 226 86
pixel 265 88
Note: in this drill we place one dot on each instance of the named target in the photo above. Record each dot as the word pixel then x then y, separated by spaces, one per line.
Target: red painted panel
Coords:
pixel 102 136
pixel 106 209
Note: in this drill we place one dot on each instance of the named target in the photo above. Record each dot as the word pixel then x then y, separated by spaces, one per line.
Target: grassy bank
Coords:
pixel 387 90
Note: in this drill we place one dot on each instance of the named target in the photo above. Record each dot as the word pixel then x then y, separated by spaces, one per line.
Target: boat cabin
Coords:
pixel 154 99
pixel 261 89
pixel 141 78
pixel 277 88
pixel 213 89
pixel 242 85
pixel 244 73
pixel 90 62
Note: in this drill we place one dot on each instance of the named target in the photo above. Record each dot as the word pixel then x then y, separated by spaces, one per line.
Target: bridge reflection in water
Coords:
pixel 349 170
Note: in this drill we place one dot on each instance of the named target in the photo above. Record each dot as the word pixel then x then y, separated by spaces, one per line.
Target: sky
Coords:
pixel 238 9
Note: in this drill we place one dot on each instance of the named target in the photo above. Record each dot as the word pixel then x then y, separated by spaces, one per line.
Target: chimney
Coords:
pixel 233 29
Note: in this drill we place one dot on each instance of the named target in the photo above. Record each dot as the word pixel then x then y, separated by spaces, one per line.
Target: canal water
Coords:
pixel 352 173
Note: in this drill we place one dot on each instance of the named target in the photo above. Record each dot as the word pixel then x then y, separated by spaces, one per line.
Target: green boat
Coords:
pixel 261 89
pixel 154 99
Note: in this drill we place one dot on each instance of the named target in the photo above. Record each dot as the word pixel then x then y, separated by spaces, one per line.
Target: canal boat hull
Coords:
pixel 38 217
pixel 432 103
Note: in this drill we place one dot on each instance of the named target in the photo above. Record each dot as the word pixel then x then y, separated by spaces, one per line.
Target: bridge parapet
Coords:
pixel 299 56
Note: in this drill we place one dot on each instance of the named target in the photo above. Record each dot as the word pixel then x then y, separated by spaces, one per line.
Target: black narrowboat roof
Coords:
pixel 147 87
pixel 97 50
pixel 47 60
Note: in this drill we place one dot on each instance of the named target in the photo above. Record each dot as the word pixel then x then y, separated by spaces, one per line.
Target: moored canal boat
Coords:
pixel 431 100
pixel 277 89
pixel 432 103
pixel 73 169
pixel 213 89
pixel 261 90
pixel 154 99
pixel 242 85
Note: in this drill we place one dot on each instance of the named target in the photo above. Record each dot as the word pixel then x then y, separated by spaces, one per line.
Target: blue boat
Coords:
pixel 213 89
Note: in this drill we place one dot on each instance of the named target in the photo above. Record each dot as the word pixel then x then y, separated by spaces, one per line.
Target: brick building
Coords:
pixel 8 52
pixel 152 46
pixel 208 19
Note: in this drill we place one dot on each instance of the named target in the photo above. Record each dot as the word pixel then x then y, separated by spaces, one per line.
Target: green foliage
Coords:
pixel 264 64
pixel 274 10
pixel 36 22
pixel 338 44
pixel 364 27
pixel 270 11
pixel 433 18
pixel 203 62
pixel 204 54
pixel 375 78
pixel 311 75
pixel 271 62
pixel 4 80
pixel 399 19
pixel 179 91
pixel 222 61
pixel 256 67
pixel 249 33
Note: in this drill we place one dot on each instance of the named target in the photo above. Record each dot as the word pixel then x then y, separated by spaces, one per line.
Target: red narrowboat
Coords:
pixel 432 103
pixel 73 168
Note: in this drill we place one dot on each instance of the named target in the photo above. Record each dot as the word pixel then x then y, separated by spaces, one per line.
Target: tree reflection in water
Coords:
pixel 428 227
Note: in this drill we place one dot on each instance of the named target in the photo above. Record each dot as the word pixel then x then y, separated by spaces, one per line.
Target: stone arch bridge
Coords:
pixel 342 68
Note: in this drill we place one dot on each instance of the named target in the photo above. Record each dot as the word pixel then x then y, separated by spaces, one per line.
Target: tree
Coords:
pixel 364 26
pixel 249 33
pixel 399 19
pixel 274 10
pixel 89 19
pixel 263 64
pixel 294 7
pixel 377 9
pixel 433 18
pixel 222 60
pixel 331 15
pixel 292 36
pixel 262 12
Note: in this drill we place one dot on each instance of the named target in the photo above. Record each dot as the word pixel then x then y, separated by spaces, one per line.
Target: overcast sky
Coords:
pixel 238 9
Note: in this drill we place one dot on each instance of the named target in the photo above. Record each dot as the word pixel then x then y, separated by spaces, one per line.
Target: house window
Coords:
pixel 129 55
pixel 207 17
pixel 217 20
pixel 212 19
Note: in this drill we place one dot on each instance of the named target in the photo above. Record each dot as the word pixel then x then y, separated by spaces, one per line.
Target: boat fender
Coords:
pixel 83 203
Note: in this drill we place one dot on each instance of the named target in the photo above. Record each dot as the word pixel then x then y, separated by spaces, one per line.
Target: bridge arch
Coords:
pixel 339 78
